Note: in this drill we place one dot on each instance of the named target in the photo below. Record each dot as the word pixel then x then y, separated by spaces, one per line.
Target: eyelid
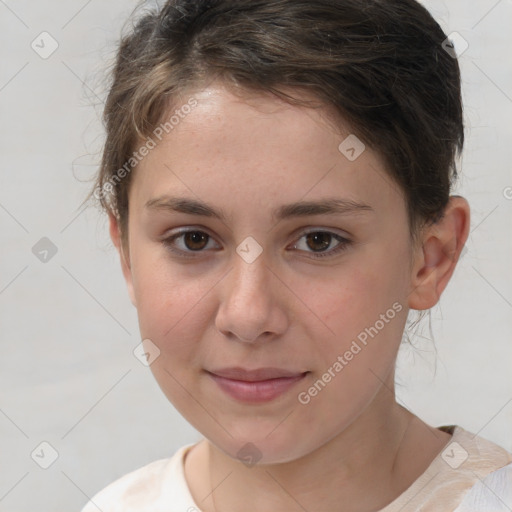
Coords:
pixel 343 241
pixel 169 238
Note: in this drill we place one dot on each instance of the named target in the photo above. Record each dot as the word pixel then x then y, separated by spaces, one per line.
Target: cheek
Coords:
pixel 354 301
pixel 170 303
pixel 360 352
pixel 172 314
pixel 363 314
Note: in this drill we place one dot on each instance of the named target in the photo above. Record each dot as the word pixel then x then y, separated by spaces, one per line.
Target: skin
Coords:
pixel 247 155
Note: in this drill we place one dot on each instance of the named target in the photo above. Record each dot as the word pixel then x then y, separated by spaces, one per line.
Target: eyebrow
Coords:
pixel 329 206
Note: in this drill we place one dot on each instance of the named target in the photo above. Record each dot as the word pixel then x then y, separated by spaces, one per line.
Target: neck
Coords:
pixel 365 467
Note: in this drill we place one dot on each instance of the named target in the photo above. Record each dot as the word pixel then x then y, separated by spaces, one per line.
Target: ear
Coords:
pixel 115 235
pixel 437 254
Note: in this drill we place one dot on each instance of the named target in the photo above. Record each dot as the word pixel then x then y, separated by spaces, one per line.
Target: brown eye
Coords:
pixel 187 242
pixel 191 243
pixel 318 241
pixel 195 240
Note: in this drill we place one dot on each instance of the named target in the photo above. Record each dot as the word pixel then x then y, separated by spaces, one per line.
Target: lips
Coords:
pixel 255 386
pixel 259 374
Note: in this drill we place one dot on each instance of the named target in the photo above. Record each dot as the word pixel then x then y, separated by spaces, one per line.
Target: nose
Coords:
pixel 251 303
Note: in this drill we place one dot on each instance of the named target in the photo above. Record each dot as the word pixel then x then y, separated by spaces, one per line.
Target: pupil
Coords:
pixel 195 237
pixel 323 238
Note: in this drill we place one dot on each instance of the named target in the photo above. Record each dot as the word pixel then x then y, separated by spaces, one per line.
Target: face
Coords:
pixel 315 292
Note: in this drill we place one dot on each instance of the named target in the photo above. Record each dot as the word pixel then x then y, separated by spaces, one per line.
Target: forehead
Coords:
pixel 255 150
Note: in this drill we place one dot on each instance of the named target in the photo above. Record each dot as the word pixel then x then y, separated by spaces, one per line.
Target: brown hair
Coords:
pixel 379 64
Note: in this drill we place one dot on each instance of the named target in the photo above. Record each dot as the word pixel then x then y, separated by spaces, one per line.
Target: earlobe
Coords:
pixel 115 235
pixel 438 254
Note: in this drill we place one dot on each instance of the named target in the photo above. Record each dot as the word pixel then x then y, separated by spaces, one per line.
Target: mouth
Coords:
pixel 255 386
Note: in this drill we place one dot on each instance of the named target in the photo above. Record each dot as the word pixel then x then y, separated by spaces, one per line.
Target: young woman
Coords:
pixel 277 174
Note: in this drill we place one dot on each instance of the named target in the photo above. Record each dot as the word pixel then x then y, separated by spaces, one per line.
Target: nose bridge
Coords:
pixel 250 278
pixel 247 309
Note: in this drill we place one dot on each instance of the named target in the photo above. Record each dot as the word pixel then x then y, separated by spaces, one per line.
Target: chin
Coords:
pixel 254 448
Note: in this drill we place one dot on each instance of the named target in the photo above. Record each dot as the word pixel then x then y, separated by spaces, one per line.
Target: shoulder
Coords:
pixel 143 489
pixel 129 490
pixel 487 468
pixel 493 493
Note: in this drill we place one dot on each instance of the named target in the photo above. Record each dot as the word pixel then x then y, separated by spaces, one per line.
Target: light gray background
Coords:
pixel 68 329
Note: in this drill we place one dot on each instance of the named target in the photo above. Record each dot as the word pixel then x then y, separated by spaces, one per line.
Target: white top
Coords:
pixel 470 474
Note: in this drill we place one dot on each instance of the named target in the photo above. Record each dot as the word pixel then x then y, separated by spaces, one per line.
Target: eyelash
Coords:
pixel 343 243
